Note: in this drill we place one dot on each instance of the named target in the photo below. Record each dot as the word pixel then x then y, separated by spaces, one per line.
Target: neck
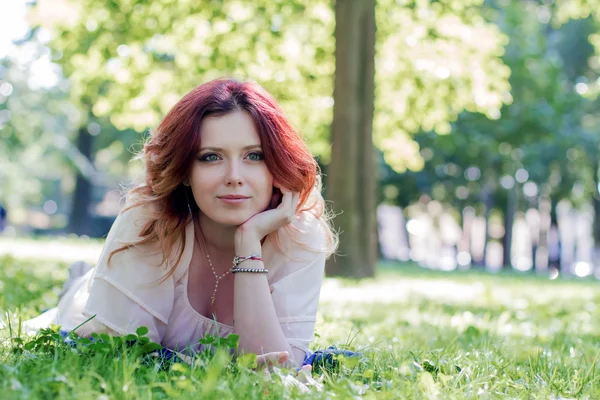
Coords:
pixel 219 239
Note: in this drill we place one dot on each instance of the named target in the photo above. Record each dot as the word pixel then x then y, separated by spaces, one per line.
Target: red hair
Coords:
pixel 172 147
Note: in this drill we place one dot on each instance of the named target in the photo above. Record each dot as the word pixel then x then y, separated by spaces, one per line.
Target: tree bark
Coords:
pixel 555 247
pixel 79 221
pixel 596 222
pixel 467 218
pixel 352 177
pixel 488 201
pixel 509 217
pixel 541 260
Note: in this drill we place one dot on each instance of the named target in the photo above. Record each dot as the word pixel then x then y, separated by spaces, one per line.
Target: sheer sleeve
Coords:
pixel 298 276
pixel 134 289
pixel 113 309
pixel 110 311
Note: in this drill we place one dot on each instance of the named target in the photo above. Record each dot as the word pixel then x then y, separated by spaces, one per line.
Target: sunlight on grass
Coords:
pixel 59 249
pixel 422 334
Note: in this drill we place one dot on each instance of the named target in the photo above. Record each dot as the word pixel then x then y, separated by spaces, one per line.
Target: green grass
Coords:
pixel 423 334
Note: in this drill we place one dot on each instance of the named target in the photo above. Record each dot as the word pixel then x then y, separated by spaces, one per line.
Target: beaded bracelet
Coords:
pixel 253 270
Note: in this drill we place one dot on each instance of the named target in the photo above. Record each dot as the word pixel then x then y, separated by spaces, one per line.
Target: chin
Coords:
pixel 233 219
pixel 231 222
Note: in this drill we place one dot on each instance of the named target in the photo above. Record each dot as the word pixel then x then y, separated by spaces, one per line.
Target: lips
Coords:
pixel 233 200
pixel 234 197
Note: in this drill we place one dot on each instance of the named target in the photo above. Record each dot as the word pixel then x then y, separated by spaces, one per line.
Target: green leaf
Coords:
pixel 429 367
pixel 208 339
pixel 234 341
pixel 180 367
pixel 128 338
pixel 150 347
pixel 142 331
pixel 248 360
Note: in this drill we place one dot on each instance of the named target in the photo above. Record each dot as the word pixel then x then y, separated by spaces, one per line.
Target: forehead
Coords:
pixel 235 128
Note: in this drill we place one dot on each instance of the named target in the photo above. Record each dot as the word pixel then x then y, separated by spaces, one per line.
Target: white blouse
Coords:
pixel 131 292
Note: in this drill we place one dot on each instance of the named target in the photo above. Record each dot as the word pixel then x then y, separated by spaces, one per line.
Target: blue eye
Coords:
pixel 209 157
pixel 256 156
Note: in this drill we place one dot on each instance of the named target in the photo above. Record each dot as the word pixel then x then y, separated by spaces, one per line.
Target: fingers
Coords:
pixel 286 199
pixel 271 359
pixel 289 203
pixel 305 377
pixel 305 373
pixel 296 200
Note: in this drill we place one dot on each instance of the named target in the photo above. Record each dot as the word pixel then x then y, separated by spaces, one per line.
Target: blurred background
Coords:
pixel 455 134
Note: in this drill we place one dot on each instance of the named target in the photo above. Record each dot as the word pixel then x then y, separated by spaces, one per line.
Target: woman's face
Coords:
pixel 229 178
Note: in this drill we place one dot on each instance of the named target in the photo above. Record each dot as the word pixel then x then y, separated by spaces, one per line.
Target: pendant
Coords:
pixel 212 302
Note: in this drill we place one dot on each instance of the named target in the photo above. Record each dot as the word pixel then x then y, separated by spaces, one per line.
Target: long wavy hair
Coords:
pixel 171 149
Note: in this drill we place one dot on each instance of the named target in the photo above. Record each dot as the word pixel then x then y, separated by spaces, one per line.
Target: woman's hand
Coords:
pixel 280 359
pixel 270 360
pixel 261 224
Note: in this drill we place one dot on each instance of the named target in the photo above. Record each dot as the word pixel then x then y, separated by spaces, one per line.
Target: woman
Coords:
pixel 228 182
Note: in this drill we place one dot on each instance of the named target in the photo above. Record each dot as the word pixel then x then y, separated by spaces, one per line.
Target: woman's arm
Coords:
pixel 255 320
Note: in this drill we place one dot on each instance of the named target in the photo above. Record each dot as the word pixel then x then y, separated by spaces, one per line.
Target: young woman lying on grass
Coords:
pixel 227 234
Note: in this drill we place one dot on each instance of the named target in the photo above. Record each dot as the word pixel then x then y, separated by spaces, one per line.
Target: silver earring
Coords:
pixel 188 203
pixel 186 183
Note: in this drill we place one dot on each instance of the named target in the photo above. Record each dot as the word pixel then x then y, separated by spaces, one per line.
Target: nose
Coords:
pixel 233 176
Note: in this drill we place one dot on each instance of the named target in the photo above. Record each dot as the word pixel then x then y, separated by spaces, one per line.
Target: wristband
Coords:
pixel 238 260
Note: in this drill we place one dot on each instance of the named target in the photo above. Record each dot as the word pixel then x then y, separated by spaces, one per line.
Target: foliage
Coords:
pixel 434 60
pixel 565 10
pixel 130 62
pixel 34 130
pixel 38 155
pixel 547 121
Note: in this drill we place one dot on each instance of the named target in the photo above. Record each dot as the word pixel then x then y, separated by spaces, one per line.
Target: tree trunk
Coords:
pixel 509 217
pixel 488 202
pixel 352 177
pixel 534 221
pixel 555 245
pixel 596 225
pixel 534 255
pixel 541 260
pixel 596 222
pixel 466 222
pixel 79 221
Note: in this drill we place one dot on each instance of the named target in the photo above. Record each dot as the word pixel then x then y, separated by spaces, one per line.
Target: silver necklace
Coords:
pixel 217 277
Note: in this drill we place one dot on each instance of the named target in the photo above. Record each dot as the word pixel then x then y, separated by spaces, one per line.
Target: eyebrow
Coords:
pixel 252 146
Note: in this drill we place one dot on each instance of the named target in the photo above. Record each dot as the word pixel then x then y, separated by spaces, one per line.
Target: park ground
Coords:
pixel 421 333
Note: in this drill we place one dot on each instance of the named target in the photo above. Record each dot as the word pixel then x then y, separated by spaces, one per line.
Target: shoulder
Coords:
pixel 133 238
pixel 131 221
pixel 305 236
pixel 125 254
pixel 124 243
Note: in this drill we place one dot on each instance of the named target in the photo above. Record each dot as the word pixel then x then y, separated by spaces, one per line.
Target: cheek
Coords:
pixel 203 187
pixel 267 189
